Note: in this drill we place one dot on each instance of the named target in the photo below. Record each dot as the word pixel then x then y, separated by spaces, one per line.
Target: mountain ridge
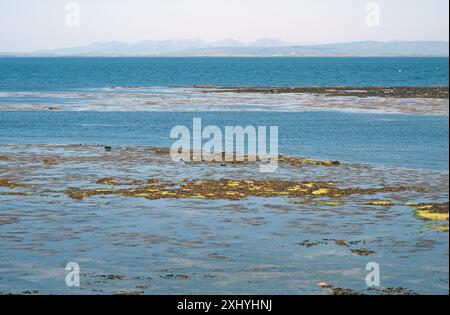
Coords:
pixel 264 47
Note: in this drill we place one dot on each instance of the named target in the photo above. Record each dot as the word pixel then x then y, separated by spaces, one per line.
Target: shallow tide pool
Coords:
pixel 273 245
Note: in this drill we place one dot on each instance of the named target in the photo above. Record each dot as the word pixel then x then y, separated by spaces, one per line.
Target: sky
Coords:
pixel 29 25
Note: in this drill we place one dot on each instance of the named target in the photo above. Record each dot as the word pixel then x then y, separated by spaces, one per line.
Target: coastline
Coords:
pixel 173 227
pixel 137 222
pixel 428 92
pixel 209 98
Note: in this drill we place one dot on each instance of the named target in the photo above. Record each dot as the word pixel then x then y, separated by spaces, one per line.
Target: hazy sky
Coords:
pixel 27 25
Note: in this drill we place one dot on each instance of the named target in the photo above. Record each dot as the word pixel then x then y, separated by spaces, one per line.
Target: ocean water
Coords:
pixel 103 100
pixel 53 74
pixel 393 140
pixel 194 246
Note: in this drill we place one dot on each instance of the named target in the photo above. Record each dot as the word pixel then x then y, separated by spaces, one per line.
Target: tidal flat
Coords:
pixel 210 98
pixel 137 222
pixel 429 92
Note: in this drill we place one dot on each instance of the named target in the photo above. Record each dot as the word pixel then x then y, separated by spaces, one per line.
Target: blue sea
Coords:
pixel 91 86
pixel 53 74
pixel 56 114
pixel 390 140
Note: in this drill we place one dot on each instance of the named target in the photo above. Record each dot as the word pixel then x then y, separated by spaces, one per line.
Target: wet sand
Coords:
pixel 139 223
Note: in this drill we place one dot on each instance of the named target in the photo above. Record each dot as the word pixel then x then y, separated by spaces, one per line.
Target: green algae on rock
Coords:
pixel 439 227
pixel 108 181
pixel 338 291
pixel 330 203
pixel 231 189
pixel 236 159
pixel 433 212
pixel 382 203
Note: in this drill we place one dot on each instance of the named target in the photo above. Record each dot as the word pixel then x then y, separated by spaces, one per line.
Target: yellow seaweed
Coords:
pixel 425 207
pixel 428 215
pixel 295 188
pixel 439 227
pixel 108 181
pixel 331 203
pixel 321 191
pixel 141 195
pixel 198 197
pixel 381 203
pixel 281 193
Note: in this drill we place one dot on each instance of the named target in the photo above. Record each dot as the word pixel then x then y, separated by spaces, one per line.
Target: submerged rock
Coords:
pixel 4 182
pixel 129 293
pixel 331 203
pixel 362 252
pixel 439 227
pixel 112 277
pixel 50 161
pixel 342 291
pixel 175 277
pixel 8 220
pixel 436 92
pixel 393 291
pixel 108 181
pixel 372 291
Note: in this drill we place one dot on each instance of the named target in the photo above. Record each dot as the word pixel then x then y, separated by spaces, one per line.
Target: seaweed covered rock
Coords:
pixel 229 189
pixel 433 212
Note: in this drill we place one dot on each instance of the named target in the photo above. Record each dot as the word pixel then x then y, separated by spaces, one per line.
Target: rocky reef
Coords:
pixel 437 92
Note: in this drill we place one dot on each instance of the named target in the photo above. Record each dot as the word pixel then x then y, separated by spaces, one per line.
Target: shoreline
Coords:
pixel 426 92
pixel 431 101
pixel 91 201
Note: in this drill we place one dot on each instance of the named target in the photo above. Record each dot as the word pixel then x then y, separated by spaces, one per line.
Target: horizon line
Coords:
pixel 283 44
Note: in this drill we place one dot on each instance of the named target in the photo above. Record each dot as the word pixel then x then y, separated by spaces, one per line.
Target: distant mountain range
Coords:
pixel 265 47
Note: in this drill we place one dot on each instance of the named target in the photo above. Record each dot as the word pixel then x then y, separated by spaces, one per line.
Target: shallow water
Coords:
pixel 48 107
pixel 164 99
pixel 408 141
pixel 208 246
pixel 191 246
